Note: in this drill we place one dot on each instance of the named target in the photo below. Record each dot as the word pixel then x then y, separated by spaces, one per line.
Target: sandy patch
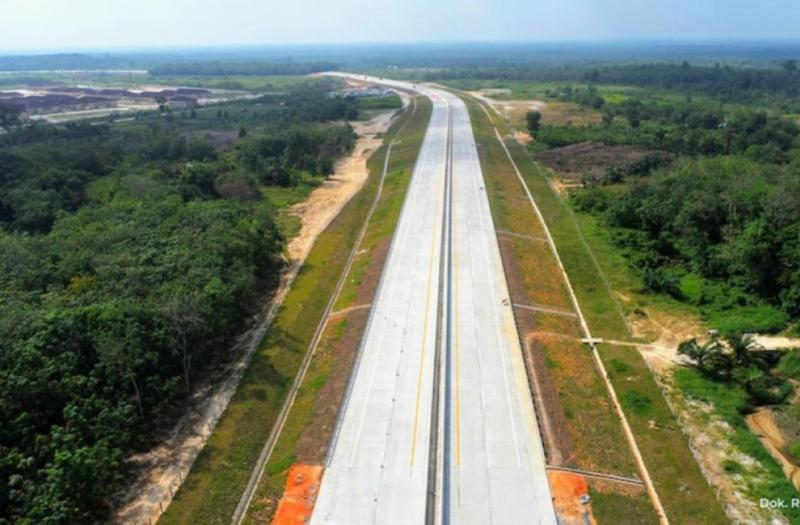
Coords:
pixel 350 174
pixel 762 424
pixel 773 342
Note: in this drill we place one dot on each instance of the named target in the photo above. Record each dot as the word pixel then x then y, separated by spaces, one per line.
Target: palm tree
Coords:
pixel 709 357
pixel 745 351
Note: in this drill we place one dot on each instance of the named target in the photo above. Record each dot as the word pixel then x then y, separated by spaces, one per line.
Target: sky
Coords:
pixel 113 24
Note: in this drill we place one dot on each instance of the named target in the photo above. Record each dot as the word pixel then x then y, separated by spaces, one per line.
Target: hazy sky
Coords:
pixel 74 24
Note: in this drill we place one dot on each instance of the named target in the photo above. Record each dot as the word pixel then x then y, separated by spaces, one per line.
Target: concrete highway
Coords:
pixel 438 425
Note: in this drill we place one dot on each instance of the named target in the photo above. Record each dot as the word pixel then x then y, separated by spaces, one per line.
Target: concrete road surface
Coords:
pixel 438 425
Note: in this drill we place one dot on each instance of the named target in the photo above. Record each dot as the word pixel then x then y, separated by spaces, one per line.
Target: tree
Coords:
pixel 709 357
pixel 790 65
pixel 533 119
pixel 8 117
pixel 184 312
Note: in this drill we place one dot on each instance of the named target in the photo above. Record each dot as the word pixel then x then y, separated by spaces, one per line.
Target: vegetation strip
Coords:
pixel 611 391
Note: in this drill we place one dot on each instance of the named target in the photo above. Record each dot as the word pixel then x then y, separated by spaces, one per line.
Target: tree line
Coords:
pixel 130 254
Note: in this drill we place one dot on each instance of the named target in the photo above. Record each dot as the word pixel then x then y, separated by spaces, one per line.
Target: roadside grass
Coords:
pixel 598 442
pixel 631 295
pixel 683 489
pixel 284 454
pixel 543 283
pixel 547 323
pixel 555 112
pixel 398 176
pixel 214 486
pixel 380 228
pixel 629 508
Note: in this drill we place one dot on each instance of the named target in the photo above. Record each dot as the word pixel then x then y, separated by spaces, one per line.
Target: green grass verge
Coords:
pixel 284 454
pixel 684 492
pixel 621 509
pixel 215 484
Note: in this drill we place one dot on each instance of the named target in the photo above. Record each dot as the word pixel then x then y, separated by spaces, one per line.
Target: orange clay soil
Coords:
pixel 299 495
pixel 567 489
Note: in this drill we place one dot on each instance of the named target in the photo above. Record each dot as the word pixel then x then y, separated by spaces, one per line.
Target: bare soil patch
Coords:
pixel 299 495
pixel 350 174
pixel 763 424
pixel 568 490
pixel 590 158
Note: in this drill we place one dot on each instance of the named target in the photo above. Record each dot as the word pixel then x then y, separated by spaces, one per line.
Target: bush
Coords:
pixel 769 390
pixel 761 318
pixel 789 365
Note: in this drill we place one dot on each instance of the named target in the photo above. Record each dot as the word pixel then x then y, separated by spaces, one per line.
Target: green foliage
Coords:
pixel 684 128
pixel 789 365
pixel 732 223
pixel 129 256
pixel 760 318
pixel 636 402
pixel 725 82
pixel 740 360
pixel 372 103
pixel 533 120
pixel 794 450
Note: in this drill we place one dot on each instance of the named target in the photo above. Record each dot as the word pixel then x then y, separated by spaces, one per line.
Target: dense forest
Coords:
pixel 711 216
pixel 720 232
pixel 130 254
pixel 724 82
pixel 679 126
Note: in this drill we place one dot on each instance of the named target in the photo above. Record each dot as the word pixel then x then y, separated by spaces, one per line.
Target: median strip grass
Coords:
pixel 214 486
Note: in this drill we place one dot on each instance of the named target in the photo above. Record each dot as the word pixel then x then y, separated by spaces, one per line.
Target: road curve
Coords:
pixel 439 381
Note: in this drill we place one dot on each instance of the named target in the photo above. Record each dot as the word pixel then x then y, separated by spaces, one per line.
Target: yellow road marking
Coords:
pixel 457 333
pixel 424 340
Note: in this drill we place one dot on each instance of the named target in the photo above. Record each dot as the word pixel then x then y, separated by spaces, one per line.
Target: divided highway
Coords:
pixel 438 425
